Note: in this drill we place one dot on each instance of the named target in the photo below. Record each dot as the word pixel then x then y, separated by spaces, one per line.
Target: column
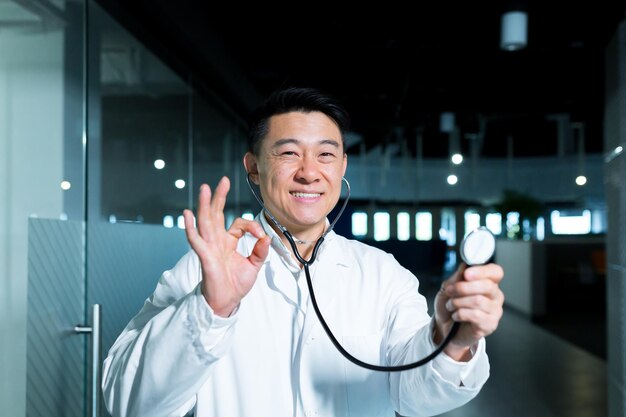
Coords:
pixel 615 172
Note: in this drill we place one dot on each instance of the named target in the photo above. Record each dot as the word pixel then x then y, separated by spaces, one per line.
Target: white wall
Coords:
pixel 31 126
pixel 515 256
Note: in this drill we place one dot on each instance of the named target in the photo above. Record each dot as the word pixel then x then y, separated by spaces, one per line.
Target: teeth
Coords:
pixel 306 195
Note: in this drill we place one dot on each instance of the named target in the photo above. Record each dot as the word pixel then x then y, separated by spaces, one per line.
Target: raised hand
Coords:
pixel 473 297
pixel 227 276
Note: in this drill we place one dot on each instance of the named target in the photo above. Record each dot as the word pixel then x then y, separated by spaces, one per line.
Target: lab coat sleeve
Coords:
pixel 440 385
pixel 166 352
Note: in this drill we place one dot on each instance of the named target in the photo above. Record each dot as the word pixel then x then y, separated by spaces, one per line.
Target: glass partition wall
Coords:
pixel 102 146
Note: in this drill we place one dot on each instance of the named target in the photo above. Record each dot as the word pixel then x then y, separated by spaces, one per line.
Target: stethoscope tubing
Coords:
pixel 306 264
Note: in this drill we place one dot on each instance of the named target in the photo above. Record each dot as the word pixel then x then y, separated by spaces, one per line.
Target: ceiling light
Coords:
pixel 514 30
pixel 614 153
pixel 66 185
pixel 452 179
pixel 581 180
pixel 159 164
pixel 457 159
pixel 180 184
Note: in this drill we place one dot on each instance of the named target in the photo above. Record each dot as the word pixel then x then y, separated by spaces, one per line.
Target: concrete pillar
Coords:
pixel 370 222
pixel 412 223
pixel 436 221
pixel 459 214
pixel 393 223
pixel 615 172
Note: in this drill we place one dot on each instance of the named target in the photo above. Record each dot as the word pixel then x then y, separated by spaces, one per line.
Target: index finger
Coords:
pixel 242 226
pixel 492 272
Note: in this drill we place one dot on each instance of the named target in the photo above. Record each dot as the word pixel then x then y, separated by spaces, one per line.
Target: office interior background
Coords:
pixel 113 113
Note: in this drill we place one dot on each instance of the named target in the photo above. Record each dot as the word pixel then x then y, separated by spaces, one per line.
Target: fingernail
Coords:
pixel 449 305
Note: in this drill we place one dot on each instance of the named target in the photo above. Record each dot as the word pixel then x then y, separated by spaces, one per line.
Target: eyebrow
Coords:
pixel 281 142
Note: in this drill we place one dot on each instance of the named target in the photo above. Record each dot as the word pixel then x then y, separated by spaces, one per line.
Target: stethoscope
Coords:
pixel 477 248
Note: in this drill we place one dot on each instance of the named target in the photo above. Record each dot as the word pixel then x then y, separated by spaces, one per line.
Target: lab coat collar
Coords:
pixel 324 254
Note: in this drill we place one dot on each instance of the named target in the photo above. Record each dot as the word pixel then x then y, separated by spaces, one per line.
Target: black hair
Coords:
pixel 300 99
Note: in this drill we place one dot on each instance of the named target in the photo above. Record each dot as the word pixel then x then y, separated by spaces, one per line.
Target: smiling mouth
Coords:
pixel 305 195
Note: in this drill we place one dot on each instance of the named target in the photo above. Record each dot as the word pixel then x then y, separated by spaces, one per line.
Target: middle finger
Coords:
pixel 484 287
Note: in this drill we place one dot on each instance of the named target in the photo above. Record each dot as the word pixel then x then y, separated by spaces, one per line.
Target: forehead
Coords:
pixel 304 127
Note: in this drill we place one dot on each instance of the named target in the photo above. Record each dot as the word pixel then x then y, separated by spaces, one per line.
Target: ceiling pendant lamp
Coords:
pixel 514 30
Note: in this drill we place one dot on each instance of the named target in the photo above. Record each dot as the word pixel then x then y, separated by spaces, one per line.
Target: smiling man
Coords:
pixel 230 330
pixel 299 168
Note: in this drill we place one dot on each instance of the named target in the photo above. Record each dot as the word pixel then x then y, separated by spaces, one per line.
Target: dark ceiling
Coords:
pixel 396 68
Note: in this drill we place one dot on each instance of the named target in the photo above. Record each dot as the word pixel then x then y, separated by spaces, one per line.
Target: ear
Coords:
pixel 251 165
pixel 345 164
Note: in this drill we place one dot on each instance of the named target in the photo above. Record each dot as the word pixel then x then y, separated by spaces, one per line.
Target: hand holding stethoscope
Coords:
pixel 471 299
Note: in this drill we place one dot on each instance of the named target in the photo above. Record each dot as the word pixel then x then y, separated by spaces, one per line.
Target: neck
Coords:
pixel 304 238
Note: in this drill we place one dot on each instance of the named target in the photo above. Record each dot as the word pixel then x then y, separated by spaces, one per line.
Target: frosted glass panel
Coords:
pixel 55 355
pixel 125 262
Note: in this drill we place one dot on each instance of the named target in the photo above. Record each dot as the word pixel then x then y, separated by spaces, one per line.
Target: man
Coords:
pixel 230 330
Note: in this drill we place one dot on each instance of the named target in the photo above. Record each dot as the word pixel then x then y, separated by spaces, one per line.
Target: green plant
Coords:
pixel 528 207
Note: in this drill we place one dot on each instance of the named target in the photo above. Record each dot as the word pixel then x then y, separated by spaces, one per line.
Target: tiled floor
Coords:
pixel 537 374
pixel 555 369
pixel 534 372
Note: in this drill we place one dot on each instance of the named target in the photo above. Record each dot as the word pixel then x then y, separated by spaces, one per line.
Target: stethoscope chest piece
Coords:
pixel 478 246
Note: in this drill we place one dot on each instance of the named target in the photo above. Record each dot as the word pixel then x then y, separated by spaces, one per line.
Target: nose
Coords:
pixel 309 170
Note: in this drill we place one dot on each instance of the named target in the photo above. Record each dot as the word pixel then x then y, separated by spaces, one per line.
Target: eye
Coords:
pixel 327 156
pixel 288 153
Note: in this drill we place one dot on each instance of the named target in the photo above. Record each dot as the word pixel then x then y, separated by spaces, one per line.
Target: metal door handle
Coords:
pixel 96 343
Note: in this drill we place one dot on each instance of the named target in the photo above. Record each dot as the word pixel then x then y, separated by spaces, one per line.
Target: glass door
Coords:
pixel 102 146
pixel 42 189
pixel 80 97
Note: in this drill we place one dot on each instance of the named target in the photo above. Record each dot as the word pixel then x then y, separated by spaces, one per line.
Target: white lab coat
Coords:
pixel 272 356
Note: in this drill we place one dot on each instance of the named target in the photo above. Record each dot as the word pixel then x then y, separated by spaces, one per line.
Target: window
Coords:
pixel 359 223
pixel 423 225
pixel 570 222
pixel 403 226
pixel 541 228
pixel 168 221
pixel 598 221
pixel 512 225
pixel 381 226
pixel 472 221
pixel 448 226
pixel 493 221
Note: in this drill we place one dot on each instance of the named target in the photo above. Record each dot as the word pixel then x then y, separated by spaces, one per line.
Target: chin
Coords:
pixel 307 220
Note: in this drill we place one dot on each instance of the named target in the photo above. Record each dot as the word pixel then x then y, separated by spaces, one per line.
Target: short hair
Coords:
pixel 298 99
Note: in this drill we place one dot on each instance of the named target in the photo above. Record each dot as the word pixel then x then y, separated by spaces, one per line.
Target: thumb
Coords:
pixel 260 251
pixel 457 275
